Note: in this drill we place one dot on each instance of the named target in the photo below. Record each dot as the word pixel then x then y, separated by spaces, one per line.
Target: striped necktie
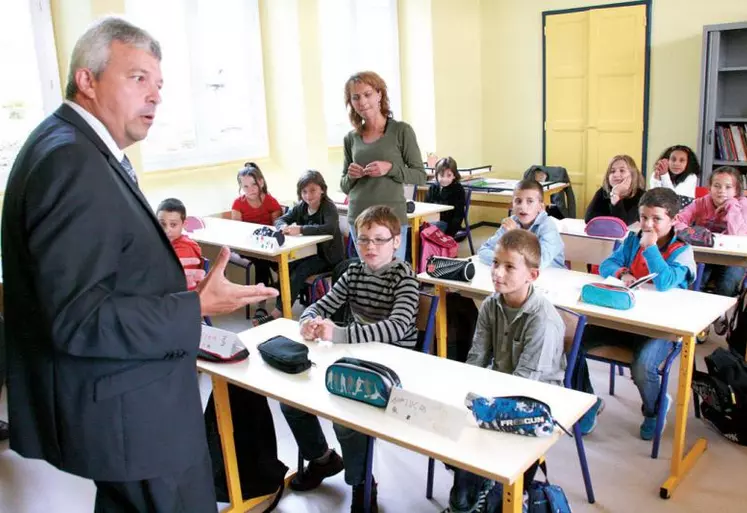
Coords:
pixel 127 166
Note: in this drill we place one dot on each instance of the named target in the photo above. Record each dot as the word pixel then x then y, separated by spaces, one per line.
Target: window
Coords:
pixel 357 35
pixel 213 98
pixel 30 87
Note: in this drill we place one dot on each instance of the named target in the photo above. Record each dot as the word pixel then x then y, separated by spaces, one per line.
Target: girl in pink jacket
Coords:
pixel 723 210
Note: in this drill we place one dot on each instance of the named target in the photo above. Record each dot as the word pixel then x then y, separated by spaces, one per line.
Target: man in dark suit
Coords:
pixel 102 333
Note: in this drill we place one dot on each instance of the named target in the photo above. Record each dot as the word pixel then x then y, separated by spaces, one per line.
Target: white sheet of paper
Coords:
pixel 218 341
pixel 420 411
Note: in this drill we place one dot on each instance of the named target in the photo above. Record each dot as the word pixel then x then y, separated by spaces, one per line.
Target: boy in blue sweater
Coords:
pixel 529 214
pixel 655 249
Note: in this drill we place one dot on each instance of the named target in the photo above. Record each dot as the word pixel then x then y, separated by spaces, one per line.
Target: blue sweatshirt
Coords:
pixel 551 245
pixel 675 266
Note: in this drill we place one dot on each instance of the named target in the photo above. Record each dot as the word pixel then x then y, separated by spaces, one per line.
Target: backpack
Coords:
pixel 435 242
pixel 736 326
pixel 723 392
pixel 696 236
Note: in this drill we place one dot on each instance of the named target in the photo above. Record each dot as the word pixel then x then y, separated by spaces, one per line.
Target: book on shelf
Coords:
pixel 731 142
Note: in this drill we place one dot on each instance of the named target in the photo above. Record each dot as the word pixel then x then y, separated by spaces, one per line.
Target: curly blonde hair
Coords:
pixel 378 84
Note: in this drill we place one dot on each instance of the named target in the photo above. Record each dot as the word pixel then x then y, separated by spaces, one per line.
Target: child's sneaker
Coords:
pixel 589 421
pixel 648 427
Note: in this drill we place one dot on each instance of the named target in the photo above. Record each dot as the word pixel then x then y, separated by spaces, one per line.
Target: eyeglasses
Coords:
pixel 362 241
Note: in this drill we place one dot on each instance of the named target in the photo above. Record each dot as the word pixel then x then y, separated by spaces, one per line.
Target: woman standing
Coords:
pixel 381 154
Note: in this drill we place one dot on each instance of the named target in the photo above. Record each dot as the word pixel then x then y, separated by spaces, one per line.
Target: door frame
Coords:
pixel 646 72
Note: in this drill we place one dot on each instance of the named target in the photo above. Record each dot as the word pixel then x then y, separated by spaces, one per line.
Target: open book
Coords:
pixel 640 281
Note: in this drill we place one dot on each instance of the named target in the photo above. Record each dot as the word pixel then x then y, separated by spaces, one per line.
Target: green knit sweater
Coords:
pixel 399 146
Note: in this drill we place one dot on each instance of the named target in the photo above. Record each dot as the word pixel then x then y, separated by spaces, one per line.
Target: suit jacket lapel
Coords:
pixel 67 114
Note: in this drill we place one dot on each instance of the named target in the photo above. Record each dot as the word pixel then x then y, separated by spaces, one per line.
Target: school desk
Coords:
pixel 581 247
pixel 446 381
pixel 237 235
pixel 676 313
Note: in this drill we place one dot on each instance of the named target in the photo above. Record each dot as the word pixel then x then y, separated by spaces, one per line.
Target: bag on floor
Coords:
pixel 435 242
pixel 723 394
pixel 260 470
pixel 736 326
pixel 544 497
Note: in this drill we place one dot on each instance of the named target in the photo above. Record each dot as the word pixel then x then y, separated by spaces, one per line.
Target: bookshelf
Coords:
pixel 722 139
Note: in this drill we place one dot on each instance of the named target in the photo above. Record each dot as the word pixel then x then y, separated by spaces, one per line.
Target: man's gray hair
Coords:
pixel 94 46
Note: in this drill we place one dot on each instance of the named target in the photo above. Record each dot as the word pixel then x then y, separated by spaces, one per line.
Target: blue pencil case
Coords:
pixel 610 296
pixel 362 380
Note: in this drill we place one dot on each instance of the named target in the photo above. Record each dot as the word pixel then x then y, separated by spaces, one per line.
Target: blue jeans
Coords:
pixel 311 442
pixel 401 252
pixel 726 278
pixel 648 355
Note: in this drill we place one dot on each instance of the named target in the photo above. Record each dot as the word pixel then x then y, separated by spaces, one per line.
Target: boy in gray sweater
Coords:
pixel 518 332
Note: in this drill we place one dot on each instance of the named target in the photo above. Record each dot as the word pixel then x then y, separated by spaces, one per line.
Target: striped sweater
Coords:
pixel 384 304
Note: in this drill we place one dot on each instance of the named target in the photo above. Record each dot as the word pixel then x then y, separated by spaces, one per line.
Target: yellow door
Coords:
pixel 601 104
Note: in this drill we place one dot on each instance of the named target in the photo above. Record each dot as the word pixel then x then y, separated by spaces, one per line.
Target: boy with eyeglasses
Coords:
pixel 383 296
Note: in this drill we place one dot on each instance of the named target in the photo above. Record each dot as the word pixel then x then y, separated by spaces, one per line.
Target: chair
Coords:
pixel 623 357
pixel 700 192
pixel 315 281
pixel 466 232
pixel 426 319
pixel 206 266
pixel 574 330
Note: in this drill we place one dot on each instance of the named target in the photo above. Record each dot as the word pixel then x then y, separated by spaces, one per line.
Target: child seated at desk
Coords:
pixel 447 191
pixel 518 332
pixel 722 210
pixel 314 214
pixel 254 205
pixel 171 214
pixel 654 250
pixel 529 214
pixel 383 296
pixel 620 192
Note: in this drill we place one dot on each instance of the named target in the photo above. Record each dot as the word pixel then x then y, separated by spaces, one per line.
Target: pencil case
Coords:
pixel 610 296
pixel 515 414
pixel 362 380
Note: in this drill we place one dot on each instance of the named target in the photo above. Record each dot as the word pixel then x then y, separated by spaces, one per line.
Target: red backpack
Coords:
pixel 435 242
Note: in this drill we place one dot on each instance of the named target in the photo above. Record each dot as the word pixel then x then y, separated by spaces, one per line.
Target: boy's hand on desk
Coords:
pixel 292 230
pixel 509 224
pixel 325 329
pixel 627 279
pixel 218 296
pixel 308 329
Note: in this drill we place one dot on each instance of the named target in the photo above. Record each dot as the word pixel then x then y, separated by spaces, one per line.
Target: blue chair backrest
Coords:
pixel 426 319
pixel 574 332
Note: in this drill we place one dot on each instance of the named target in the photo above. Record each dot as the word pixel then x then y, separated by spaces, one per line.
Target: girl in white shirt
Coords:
pixel 677 168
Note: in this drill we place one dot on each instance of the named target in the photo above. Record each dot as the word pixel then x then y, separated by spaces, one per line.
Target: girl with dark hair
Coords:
pixel 677 168
pixel 447 191
pixel 314 214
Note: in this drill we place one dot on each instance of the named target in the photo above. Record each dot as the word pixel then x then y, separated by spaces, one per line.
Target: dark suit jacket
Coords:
pixel 102 334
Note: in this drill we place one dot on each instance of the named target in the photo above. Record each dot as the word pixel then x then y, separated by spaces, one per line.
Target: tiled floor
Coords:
pixel 625 478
